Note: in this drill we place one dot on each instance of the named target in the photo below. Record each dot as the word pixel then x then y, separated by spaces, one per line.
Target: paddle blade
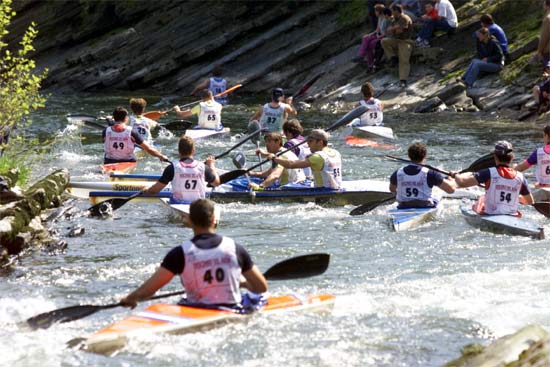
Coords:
pixel 348 117
pixel 487 161
pixel 47 319
pixel 308 85
pixel 107 206
pixel 299 267
pixel 239 160
pixel 543 207
pixel 231 175
pixel 367 207
pixel 155 115
pixel 253 127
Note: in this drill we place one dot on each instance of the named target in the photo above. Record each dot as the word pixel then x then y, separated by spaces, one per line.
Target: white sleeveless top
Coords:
pixel 142 126
pixel 119 145
pixel 217 86
pixel 331 175
pixel 303 152
pixel 291 175
pixel 188 184
pixel 272 118
pixel 502 197
pixel 542 171
pixel 415 187
pixel 210 116
pixel 374 116
pixel 212 276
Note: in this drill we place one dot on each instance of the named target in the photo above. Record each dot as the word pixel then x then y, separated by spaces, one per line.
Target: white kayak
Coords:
pixel 409 218
pixel 508 224
pixel 181 211
pixel 198 134
pixel 373 132
pixel 82 189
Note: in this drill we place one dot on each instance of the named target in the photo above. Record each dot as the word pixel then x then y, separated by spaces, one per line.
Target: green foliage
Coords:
pixel 352 12
pixel 19 91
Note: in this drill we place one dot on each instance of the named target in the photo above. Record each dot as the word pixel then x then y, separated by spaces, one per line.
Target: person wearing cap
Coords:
pixel 413 184
pixel 540 158
pixel 325 162
pixel 272 115
pixel 505 187
pixel 208 110
pixel 277 174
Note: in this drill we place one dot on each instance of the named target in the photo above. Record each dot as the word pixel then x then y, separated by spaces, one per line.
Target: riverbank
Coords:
pixel 132 46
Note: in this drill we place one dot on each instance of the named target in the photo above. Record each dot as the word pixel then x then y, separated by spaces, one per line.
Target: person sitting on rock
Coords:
pixel 446 21
pixel 411 8
pixel 430 14
pixel 490 58
pixel 370 41
pixel 497 32
pixel 541 92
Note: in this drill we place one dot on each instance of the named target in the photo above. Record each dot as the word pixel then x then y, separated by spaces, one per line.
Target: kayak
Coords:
pixel 115 176
pixel 171 318
pixel 354 192
pixel 122 167
pixel 508 224
pixel 181 211
pixel 82 189
pixel 373 132
pixel 354 141
pixel 198 133
pixel 408 218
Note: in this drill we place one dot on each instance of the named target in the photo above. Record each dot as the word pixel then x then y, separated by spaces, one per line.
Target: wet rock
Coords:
pixel 430 105
pixel 515 101
pixel 525 49
pixel 426 54
pixel 450 92
pixel 502 351
pixel 76 232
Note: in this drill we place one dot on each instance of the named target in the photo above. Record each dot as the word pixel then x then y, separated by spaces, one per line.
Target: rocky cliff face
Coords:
pixel 169 46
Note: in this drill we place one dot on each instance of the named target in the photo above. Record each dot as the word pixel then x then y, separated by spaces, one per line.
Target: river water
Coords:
pixel 403 299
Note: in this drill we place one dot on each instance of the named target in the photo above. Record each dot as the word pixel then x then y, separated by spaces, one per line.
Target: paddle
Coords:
pixel 239 160
pixel 543 207
pixel 307 85
pixel 244 140
pixel 356 112
pixel 227 91
pixel 298 267
pixel 255 125
pixel 367 207
pixel 112 204
pixel 88 120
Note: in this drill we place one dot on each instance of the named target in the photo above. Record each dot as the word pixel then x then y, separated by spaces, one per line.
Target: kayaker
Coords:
pixel 325 162
pixel 141 124
pixel 119 141
pixel 540 158
pixel 292 130
pixel 413 184
pixel 272 115
pixel 217 84
pixel 277 174
pixel 211 267
pixel 374 116
pixel 208 110
pixel 505 187
pixel 189 176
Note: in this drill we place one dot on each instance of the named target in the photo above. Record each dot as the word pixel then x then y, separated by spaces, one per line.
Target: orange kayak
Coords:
pixel 361 142
pixel 170 318
pixel 121 167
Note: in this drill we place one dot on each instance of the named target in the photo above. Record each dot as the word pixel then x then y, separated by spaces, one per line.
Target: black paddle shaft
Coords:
pixel 356 112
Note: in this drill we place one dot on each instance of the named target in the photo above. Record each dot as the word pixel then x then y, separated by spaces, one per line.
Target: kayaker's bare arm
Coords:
pixel 255 281
pixel 291 110
pixel 202 85
pixel 154 189
pixel 182 113
pixel 448 186
pixel 527 199
pixel 302 163
pixel 465 180
pixel 258 114
pixel 158 280
pixel 210 163
pixel 393 188
pixel 152 151
pixel 522 166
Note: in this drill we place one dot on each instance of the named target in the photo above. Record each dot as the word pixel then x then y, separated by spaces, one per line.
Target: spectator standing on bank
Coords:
pixel 543 51
pixel 490 58
pixel 398 46
pixel 446 21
